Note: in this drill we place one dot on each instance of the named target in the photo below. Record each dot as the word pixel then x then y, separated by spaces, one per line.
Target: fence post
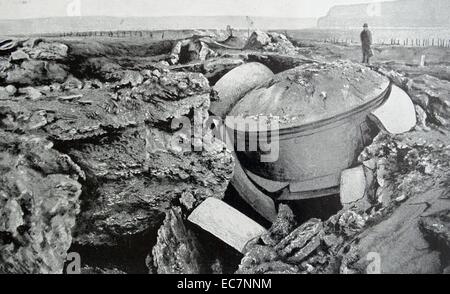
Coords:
pixel 422 61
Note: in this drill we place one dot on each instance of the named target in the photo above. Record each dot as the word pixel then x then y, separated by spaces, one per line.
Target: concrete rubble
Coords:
pixel 119 137
pixel 192 49
pixel 39 199
pixel 411 186
pixel 92 159
pixel 270 42
pixel 177 248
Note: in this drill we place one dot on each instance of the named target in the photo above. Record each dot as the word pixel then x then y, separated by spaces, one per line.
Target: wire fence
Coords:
pixel 443 43
pixel 407 42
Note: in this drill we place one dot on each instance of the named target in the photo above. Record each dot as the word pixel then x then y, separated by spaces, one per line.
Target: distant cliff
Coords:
pixel 401 13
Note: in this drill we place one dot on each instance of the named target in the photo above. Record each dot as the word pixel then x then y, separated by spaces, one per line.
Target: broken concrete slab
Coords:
pixel 353 185
pixel 39 203
pixel 48 51
pixel 358 188
pixel 422 117
pixel 272 42
pixel 36 72
pixel 301 242
pixel 235 84
pixel 177 250
pixel 132 78
pixel 258 40
pixel 226 223
pixel 19 55
pixel 397 115
pixel 282 227
pixel 193 49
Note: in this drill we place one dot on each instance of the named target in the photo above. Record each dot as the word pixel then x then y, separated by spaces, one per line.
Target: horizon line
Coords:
pixel 162 16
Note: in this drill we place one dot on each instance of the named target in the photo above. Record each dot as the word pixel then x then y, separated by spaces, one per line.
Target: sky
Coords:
pixel 17 9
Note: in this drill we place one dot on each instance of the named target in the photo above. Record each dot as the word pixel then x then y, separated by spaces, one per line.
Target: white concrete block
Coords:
pixel 397 115
pixel 353 185
pixel 226 223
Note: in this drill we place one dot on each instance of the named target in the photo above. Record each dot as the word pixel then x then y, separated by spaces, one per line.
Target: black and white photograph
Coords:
pixel 224 138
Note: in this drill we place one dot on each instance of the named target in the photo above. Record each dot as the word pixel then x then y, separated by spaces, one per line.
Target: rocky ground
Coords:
pixel 402 220
pixel 95 163
pixel 91 162
pixel 401 225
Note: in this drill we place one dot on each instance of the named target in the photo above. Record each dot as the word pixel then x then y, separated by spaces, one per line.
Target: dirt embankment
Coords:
pixel 93 162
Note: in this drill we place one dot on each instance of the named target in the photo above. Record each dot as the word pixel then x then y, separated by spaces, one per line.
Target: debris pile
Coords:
pixel 409 191
pixel 39 202
pixel 192 49
pixel 270 42
pixel 313 247
pixel 34 63
pixel 177 248
pixel 125 139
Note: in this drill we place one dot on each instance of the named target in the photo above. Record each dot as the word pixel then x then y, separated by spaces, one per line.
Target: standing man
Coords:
pixel 366 42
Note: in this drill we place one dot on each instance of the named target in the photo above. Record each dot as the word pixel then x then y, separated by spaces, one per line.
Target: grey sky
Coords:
pixel 13 9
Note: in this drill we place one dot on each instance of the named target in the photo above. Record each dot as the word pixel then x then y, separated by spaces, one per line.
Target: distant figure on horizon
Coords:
pixel 366 42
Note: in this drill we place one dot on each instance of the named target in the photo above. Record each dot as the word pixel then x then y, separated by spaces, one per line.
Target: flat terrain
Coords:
pixel 380 35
